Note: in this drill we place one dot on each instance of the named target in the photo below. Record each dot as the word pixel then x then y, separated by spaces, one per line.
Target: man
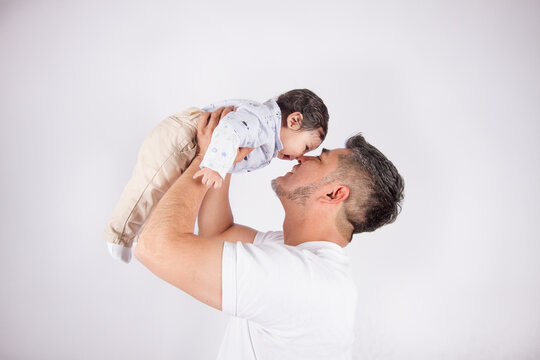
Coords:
pixel 290 293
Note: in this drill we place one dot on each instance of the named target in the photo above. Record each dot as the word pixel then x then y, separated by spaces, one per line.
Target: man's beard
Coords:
pixel 298 195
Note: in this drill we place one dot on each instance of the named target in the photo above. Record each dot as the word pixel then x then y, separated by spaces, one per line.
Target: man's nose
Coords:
pixel 303 158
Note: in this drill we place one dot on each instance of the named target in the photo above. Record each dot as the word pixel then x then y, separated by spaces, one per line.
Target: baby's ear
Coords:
pixel 294 121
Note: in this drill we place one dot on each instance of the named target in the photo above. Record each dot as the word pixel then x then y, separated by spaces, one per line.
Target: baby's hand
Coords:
pixel 209 177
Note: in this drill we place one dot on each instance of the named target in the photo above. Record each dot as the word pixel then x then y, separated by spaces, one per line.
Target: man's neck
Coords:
pixel 300 227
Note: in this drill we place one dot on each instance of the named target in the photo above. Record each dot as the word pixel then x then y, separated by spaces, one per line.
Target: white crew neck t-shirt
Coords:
pixel 287 302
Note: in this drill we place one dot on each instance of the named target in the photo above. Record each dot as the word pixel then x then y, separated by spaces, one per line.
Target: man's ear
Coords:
pixel 336 194
pixel 294 121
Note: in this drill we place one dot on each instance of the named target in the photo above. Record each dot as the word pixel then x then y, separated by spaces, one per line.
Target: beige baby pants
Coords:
pixel 164 155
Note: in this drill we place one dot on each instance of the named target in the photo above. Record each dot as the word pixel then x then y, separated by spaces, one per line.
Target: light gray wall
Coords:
pixel 448 90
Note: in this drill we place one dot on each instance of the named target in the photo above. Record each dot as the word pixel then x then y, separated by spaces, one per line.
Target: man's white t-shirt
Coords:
pixel 287 302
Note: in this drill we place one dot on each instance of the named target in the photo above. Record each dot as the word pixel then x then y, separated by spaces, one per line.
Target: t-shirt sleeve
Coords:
pixel 266 282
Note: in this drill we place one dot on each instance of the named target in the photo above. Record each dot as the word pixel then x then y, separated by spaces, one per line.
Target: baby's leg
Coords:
pixel 164 155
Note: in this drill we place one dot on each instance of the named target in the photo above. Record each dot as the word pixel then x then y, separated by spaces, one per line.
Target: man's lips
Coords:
pixel 294 168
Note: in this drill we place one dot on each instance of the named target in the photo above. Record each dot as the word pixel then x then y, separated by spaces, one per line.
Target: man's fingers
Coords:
pixel 203 120
pixel 227 110
pixel 214 118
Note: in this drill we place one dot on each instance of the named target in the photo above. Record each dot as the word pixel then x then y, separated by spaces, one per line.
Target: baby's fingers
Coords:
pixel 207 180
pixel 198 174
pixel 204 179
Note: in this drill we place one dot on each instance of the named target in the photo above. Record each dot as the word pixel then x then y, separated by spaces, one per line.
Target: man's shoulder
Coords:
pixel 268 237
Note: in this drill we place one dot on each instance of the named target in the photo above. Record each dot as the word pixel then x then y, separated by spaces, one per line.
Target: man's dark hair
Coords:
pixel 312 108
pixel 375 188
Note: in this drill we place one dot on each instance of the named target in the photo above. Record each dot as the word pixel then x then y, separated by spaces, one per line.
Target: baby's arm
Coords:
pixel 236 134
pixel 212 178
pixel 220 155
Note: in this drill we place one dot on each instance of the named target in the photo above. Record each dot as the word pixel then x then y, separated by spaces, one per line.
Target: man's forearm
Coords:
pixel 215 215
pixel 175 214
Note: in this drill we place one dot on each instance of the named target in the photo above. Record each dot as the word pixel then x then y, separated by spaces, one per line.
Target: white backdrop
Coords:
pixel 448 90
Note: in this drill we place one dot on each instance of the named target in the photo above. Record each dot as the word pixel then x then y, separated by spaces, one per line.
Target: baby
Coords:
pixel 286 127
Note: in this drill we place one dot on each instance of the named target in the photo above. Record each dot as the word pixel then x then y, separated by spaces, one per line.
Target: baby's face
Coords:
pixel 297 143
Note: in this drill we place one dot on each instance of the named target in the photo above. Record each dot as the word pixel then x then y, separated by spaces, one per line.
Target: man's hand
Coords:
pixel 209 177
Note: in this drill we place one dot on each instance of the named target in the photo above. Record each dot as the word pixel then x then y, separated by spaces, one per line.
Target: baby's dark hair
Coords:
pixel 312 108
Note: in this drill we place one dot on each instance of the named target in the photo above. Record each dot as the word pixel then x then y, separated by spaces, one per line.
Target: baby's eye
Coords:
pixel 306 149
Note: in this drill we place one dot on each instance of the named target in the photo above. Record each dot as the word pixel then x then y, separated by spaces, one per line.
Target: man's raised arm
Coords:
pixel 215 216
pixel 167 245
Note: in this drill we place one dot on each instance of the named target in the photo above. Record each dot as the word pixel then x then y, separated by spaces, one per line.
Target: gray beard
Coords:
pixel 302 193
pixel 298 195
